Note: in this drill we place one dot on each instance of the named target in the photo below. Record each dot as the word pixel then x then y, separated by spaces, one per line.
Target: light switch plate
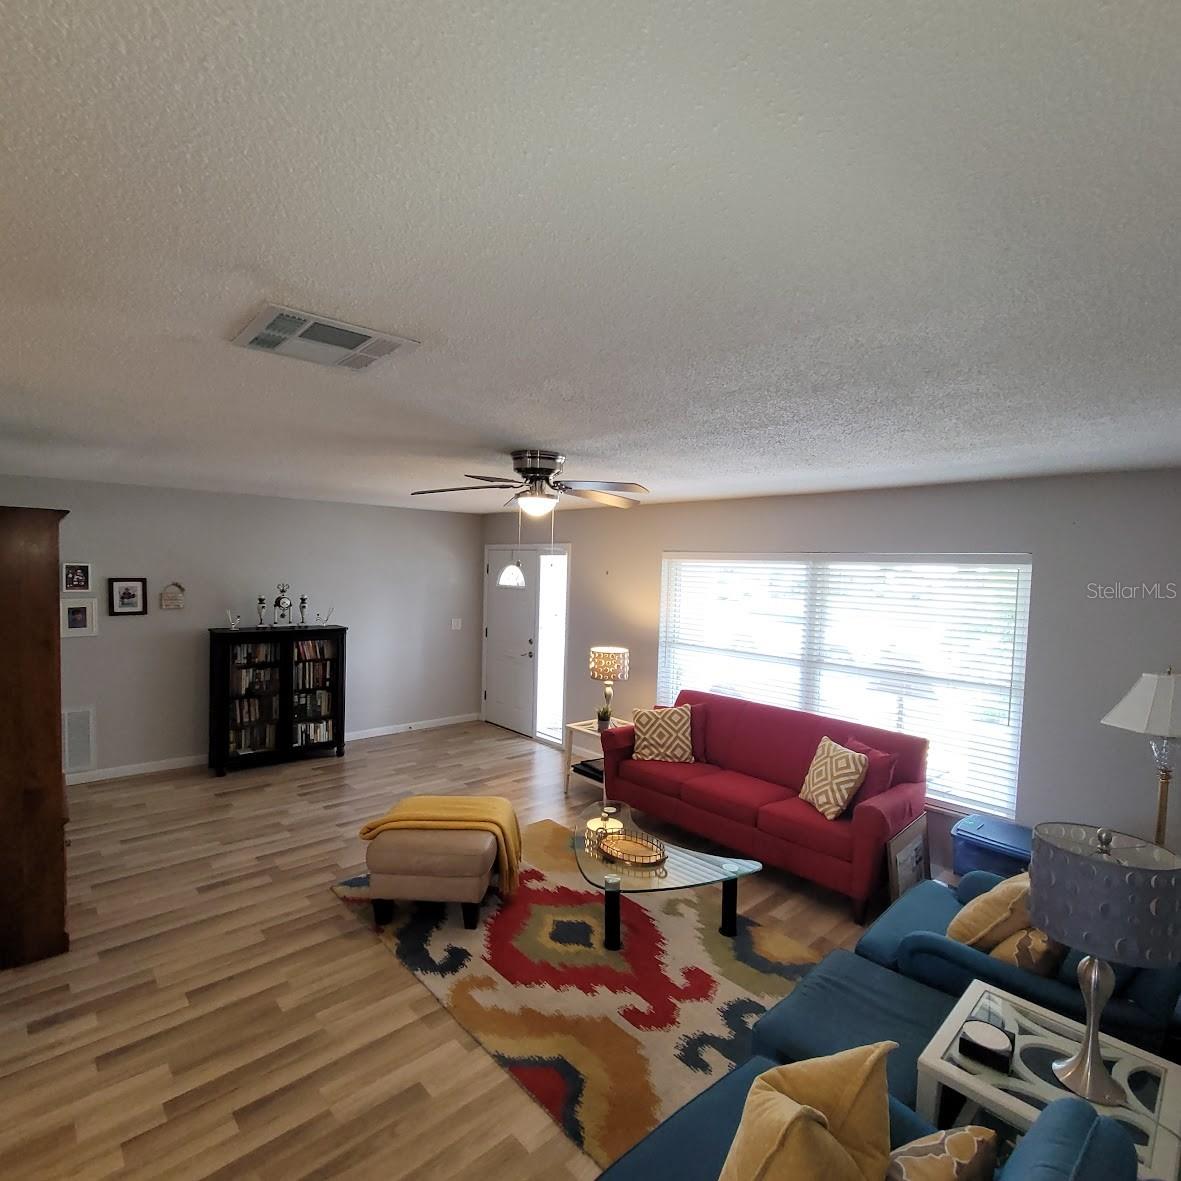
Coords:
pixel 456 624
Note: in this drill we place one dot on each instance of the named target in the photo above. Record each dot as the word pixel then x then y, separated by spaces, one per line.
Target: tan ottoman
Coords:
pixel 430 865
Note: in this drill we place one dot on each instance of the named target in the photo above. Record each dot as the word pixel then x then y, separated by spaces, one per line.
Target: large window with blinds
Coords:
pixel 932 645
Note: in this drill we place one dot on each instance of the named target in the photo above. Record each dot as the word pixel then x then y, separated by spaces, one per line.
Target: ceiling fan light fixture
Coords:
pixel 537 506
pixel 538 500
pixel 536 487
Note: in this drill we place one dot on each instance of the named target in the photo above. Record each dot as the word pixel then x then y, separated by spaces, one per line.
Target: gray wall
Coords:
pixel 1084 653
pixel 397 577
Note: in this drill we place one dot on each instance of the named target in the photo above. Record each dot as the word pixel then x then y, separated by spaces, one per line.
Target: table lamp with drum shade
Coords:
pixel 1116 899
pixel 1153 707
pixel 608 664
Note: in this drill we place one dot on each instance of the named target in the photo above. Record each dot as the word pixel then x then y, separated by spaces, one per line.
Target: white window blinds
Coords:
pixel 930 645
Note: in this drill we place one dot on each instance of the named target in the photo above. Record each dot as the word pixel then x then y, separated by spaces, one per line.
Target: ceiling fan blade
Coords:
pixel 489 479
pixel 603 485
pixel 598 497
pixel 462 488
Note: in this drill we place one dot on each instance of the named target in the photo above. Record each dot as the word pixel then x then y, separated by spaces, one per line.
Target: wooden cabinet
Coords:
pixel 275 693
pixel 32 787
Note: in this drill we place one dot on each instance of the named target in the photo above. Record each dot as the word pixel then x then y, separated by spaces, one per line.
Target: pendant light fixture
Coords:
pixel 512 575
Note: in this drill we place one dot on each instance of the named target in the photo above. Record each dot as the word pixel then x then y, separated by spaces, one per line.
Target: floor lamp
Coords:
pixel 1153 707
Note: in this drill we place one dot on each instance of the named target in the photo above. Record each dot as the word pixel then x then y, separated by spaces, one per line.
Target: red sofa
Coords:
pixel 742 790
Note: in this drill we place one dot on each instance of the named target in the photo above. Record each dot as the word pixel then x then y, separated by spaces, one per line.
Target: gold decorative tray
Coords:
pixel 631 847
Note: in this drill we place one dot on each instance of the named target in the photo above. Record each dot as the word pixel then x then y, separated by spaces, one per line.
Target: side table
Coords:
pixel 568 756
pixel 1152 1113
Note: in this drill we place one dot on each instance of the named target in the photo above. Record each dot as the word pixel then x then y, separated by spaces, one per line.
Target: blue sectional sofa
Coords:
pixel 1069 1142
pixel 853 999
pixel 691 1145
pixel 900 985
pixel 911 938
pixel 847 1001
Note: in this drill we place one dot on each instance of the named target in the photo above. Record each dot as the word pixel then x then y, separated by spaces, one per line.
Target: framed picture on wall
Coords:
pixel 79 617
pixel 908 857
pixel 75 578
pixel 127 596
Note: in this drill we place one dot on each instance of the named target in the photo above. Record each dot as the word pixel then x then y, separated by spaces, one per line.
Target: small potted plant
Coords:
pixel 603 716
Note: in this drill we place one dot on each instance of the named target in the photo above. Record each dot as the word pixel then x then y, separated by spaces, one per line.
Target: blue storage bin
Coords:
pixel 987 842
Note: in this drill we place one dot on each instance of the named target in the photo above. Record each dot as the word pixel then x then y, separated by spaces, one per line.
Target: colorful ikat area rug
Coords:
pixel 610 1043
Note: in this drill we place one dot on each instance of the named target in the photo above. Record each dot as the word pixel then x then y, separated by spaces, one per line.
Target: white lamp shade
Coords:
pixel 608 663
pixel 533 504
pixel 1152 706
pixel 512 575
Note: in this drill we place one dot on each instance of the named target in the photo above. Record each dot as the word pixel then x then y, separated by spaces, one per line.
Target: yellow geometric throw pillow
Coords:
pixel 833 778
pixel 959 1154
pixel 664 735
pixel 990 919
pixel 1032 950
pixel 825 1119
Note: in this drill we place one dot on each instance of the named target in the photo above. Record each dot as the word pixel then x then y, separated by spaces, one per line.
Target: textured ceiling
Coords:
pixel 721 248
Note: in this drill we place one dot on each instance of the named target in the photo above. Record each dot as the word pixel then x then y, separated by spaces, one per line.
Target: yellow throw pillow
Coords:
pixel 1032 950
pixel 833 778
pixel 992 917
pixel 826 1119
pixel 664 735
pixel 959 1154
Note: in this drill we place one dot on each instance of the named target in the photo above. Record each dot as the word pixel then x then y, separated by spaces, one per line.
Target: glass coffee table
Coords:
pixel 681 869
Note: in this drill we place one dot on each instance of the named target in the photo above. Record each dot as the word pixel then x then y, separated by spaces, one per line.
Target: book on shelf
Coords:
pixel 261 653
pixel 254 680
pixel 311 733
pixel 591 768
pixel 254 709
pixel 317 675
pixel 312 705
pixel 315 649
pixel 246 739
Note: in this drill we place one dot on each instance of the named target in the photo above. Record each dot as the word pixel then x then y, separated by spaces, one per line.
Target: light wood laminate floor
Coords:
pixel 221 1014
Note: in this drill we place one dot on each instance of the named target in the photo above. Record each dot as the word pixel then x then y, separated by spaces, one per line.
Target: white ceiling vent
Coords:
pixel 306 337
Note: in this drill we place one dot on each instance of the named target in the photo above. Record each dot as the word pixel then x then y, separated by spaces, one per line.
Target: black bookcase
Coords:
pixel 275 694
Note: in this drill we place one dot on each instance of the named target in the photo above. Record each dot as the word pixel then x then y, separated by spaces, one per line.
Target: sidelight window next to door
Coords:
pixel 525 639
pixel 551 646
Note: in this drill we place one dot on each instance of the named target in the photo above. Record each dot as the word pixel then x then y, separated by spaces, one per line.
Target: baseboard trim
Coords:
pixel 176 764
pixel 402 727
pixel 136 769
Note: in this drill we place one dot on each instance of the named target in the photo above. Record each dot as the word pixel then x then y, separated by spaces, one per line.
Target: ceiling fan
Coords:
pixel 536 488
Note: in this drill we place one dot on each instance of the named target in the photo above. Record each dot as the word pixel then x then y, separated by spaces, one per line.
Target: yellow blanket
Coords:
pixel 492 814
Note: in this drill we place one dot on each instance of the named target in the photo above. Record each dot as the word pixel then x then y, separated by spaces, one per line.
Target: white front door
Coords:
pixel 510 643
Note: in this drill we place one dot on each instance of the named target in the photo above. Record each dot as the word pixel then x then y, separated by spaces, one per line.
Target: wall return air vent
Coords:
pixel 287 332
pixel 78 739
